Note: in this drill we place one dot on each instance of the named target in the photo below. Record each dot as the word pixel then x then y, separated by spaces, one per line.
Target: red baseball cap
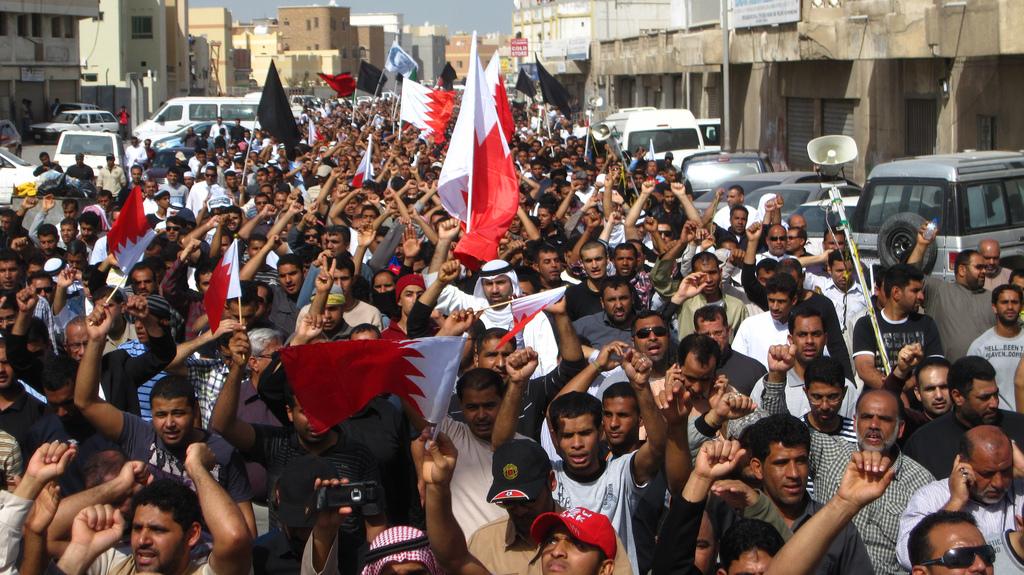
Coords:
pixel 583 524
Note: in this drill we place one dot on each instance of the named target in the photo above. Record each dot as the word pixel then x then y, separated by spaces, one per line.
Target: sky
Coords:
pixel 465 15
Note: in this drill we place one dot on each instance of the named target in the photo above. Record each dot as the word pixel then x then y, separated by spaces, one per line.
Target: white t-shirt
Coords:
pixel 613 494
pixel 722 216
pixel 758 333
pixel 1004 354
pixel 471 479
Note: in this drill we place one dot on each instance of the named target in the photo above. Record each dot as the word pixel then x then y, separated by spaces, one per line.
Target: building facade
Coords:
pixel 372 47
pixel 917 78
pixel 215 25
pixel 40 43
pixel 427 45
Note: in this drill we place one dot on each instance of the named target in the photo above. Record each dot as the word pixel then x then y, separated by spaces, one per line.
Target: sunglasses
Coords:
pixel 777 238
pixel 174 228
pixel 645 332
pixel 962 557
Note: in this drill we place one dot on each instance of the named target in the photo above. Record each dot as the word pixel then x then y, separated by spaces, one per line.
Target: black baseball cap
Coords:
pixel 519 472
pixel 295 493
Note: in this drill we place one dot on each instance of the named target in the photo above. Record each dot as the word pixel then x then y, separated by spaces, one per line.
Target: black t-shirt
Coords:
pixel 580 301
pixel 916 328
pixel 936 444
pixel 82 172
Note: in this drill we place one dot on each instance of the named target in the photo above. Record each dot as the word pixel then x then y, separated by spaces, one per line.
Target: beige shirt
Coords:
pixel 363 313
pixel 1003 277
pixel 503 551
pixel 112 180
pixel 471 479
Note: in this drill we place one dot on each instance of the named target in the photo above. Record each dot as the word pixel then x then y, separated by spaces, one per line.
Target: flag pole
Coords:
pixel 240 310
pixel 120 285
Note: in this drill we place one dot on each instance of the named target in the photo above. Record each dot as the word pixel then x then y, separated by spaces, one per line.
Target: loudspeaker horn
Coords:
pixel 830 153
pixel 600 132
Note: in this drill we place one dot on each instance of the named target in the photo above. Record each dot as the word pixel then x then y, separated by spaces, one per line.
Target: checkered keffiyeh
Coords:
pixel 400 544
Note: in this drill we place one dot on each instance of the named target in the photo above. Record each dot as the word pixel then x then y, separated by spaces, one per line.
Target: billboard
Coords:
pixel 751 13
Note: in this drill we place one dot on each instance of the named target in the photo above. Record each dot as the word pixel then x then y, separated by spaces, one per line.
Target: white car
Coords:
pixel 13 172
pixel 95 147
pixel 79 120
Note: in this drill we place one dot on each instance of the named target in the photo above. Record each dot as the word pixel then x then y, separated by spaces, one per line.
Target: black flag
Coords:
pixel 448 76
pixel 525 84
pixel 370 78
pixel 275 113
pixel 554 92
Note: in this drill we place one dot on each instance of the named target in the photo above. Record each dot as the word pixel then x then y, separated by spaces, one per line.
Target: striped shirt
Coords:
pixel 135 348
pixel 10 458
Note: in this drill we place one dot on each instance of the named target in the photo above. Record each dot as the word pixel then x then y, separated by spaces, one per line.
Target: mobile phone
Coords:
pixel 347 495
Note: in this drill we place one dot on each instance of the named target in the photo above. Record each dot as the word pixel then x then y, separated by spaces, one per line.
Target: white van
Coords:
pixel 672 130
pixel 180 112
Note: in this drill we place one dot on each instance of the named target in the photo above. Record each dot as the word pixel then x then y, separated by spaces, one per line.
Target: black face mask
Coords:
pixel 386 303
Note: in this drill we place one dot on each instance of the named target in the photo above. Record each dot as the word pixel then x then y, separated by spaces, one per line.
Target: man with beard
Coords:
pixel 879 423
pixel 975 395
pixel 548 264
pixel 779 448
pixel 961 308
pixel 995 274
pixel 743 371
pixel 700 288
pixel 981 483
pixel 825 388
pixel 930 388
pixel 496 284
pixel 613 323
pixel 1003 344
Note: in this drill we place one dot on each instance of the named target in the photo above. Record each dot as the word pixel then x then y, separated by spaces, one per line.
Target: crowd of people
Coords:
pixel 708 397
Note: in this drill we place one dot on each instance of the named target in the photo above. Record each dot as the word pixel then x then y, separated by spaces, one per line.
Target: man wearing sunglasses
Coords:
pixel 950 542
pixel 981 484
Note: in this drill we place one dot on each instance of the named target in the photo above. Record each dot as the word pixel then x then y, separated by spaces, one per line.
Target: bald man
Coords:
pixel 980 483
pixel 995 274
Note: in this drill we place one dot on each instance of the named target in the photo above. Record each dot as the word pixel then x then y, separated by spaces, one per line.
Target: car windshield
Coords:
pixel 665 140
pixel 98 145
pixel 13 159
pixel 164 159
pixel 815 217
pixel 705 175
pixel 791 198
pixel 65 118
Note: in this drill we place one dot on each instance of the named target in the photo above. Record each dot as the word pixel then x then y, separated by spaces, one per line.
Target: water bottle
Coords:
pixel 930 229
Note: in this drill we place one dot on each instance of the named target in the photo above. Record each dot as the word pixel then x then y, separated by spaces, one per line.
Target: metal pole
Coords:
pixel 725 75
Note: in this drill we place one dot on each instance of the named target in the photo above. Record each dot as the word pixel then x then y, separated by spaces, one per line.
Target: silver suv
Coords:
pixel 973 195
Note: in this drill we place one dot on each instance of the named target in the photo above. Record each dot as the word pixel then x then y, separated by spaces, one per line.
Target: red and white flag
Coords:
pixel 496 85
pixel 478 182
pixel 525 308
pixel 364 171
pixel 224 285
pixel 130 235
pixel 429 110
pixel 422 371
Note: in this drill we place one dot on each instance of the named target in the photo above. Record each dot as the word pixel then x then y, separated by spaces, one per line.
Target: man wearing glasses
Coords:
pixel 200 192
pixel 948 540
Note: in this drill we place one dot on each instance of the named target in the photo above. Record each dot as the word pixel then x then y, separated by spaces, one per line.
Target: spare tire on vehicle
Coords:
pixel 897 238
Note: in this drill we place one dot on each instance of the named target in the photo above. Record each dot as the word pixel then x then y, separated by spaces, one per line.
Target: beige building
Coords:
pixel 39 43
pixel 927 78
pixel 371 46
pixel 457 50
pixel 215 24
pixel 140 42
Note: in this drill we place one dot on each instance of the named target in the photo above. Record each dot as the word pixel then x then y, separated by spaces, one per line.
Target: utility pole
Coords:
pixel 725 75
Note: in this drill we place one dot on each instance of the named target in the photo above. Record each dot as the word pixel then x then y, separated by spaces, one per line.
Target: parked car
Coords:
pixel 95 146
pixel 711 131
pixel 793 195
pixel 79 120
pixel 820 216
pixel 13 172
pixel 753 182
pixel 707 170
pixel 180 112
pixel 176 138
pixel 164 161
pixel 972 195
pixel 10 138
pixel 66 106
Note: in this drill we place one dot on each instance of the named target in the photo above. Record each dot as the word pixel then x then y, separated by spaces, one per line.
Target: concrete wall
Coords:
pixel 215 24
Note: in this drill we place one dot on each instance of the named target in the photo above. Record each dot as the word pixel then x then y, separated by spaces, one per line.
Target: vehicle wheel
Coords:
pixel 897 238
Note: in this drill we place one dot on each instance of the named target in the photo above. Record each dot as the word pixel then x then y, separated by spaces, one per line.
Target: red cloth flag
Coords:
pixel 224 285
pixel 524 309
pixel 343 84
pixel 334 380
pixel 429 110
pixel 478 183
pixel 365 169
pixel 130 235
pixel 496 84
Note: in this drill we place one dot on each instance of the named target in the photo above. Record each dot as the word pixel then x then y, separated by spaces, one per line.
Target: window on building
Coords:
pixel 986 132
pixel 344 52
pixel 316 21
pixel 23 25
pixel 460 64
pixel 334 23
pixel 3 23
pixel 309 25
pixel 316 46
pixel 69 27
pixel 55 26
pixel 922 126
pixel 37 25
pixel 142 27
